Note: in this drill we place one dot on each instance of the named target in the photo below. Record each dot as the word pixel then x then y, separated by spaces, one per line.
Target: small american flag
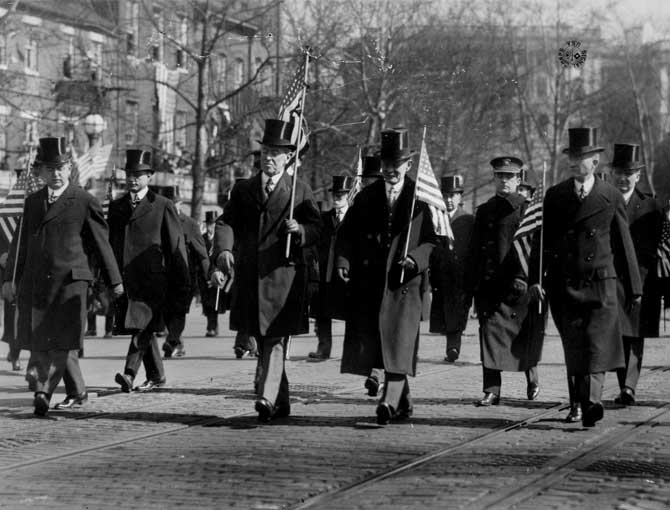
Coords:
pixel 428 191
pixel 11 207
pixel 663 251
pixel 530 223
pixel 91 164
pixel 291 108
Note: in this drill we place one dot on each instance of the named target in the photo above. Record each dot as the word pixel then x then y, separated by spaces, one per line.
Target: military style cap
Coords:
pixel 52 151
pixel 372 166
pixel 626 157
pixel 395 145
pixel 582 141
pixel 138 160
pixel 506 164
pixel 341 184
pixel 452 184
pixel 278 134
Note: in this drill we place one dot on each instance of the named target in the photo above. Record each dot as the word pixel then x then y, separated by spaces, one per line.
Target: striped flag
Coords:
pixel 11 207
pixel 357 185
pixel 530 223
pixel 663 251
pixel 108 198
pixel 428 191
pixel 291 108
pixel 91 164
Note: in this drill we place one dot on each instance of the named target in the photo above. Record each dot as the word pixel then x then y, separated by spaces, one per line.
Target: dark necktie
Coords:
pixel 52 197
pixel 582 193
pixel 269 187
pixel 134 200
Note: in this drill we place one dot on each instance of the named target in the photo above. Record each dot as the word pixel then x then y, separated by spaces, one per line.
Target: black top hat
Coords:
pixel 452 184
pixel 507 164
pixel 278 134
pixel 52 151
pixel 341 184
pixel 372 166
pixel 138 160
pixel 395 145
pixel 525 181
pixel 582 141
pixel 210 217
pixel 626 157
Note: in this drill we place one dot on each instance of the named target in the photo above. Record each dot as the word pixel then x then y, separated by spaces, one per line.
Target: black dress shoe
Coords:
pixel 490 399
pixel 318 356
pixel 242 353
pixel 265 410
pixel 73 401
pixel 282 411
pixel 372 385
pixel 405 409
pixel 593 413
pixel 211 333
pixel 385 413
pixel 41 403
pixel 16 365
pixel 626 397
pixel 452 355
pixel 125 381
pixel 533 391
pixel 179 352
pixel 150 385
pixel 167 350
pixel 574 415
pixel 91 332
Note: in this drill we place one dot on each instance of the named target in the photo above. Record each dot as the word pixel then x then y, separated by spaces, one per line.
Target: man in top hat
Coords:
pixel 371 171
pixel 646 221
pixel 269 292
pixel 198 265
pixel 328 302
pixel 386 284
pixel 499 285
pixel 526 188
pixel 63 227
pixel 448 266
pixel 585 231
pixel 148 242
pixel 207 290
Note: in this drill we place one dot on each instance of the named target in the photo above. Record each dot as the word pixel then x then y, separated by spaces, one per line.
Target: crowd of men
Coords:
pixel 274 259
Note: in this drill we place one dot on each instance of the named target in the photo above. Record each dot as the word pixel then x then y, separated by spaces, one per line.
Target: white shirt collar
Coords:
pixel 627 195
pixel 588 183
pixel 140 194
pixel 274 178
pixel 397 187
pixel 58 192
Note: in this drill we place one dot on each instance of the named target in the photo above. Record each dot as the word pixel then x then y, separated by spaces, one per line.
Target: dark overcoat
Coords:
pixel 383 313
pixel 645 220
pixel 54 266
pixel 582 239
pixel 329 300
pixel 149 246
pixel 269 293
pixel 450 300
pixel 196 251
pixel 507 341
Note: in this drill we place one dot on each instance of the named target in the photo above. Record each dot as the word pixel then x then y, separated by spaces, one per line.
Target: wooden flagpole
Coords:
pixel 297 150
pixel 20 229
pixel 411 211
pixel 544 177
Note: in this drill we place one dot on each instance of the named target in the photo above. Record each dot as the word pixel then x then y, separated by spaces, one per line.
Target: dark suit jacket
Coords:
pixel 56 246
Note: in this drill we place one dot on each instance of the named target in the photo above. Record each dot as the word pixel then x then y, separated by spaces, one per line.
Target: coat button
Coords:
pixel 589 257
pixel 404 291
pixel 591 234
pixel 513 315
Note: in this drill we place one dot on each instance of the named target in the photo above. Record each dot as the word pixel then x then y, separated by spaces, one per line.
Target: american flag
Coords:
pixel 291 108
pixel 530 223
pixel 357 186
pixel 11 207
pixel 428 191
pixel 663 251
pixel 91 164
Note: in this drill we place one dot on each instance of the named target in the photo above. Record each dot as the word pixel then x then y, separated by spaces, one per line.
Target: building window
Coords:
pixel 31 137
pixel 31 56
pixel 182 40
pixel 238 73
pixel 157 36
pixel 180 129
pixel 132 26
pixel 132 116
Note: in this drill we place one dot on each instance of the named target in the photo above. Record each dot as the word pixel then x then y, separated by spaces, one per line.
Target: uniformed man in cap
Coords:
pixel 269 294
pixel 329 301
pixel 385 283
pixel 499 285
pixel 62 227
pixel 448 266
pixel 646 220
pixel 148 242
pixel 585 231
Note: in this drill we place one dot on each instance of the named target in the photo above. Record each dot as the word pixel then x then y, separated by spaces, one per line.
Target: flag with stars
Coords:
pixel 11 207
pixel 529 225
pixel 663 251
pixel 291 109
pixel 428 191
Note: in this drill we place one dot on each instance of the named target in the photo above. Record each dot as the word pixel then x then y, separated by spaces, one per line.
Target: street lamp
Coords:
pixel 94 125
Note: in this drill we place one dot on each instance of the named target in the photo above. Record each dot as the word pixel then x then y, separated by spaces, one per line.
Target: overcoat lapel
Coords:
pixel 144 207
pixel 594 202
pixel 59 206
pixel 256 191
pixel 633 207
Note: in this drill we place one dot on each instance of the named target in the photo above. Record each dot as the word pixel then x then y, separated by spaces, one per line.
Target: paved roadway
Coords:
pixel 197 444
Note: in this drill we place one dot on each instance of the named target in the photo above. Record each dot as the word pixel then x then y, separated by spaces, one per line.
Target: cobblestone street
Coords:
pixel 196 443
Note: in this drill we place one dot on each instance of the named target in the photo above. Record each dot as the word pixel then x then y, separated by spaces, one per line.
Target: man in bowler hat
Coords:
pixel 148 242
pixel 448 266
pixel 269 292
pixel 385 284
pixel 645 220
pixel 585 231
pixel 63 226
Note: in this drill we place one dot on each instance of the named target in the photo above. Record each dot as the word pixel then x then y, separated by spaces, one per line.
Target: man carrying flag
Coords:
pixel 382 251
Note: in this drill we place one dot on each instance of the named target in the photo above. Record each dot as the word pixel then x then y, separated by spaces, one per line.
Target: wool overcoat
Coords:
pixel 582 240
pixel 269 292
pixel 196 251
pixel 383 313
pixel 54 267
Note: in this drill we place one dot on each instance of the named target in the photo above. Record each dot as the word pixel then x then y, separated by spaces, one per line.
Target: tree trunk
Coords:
pixel 199 157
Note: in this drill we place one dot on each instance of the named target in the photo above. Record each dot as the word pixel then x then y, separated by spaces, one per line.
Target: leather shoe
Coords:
pixel 265 410
pixel 108 334
pixel 242 353
pixel 91 332
pixel 490 399
pixel 574 415
pixel 282 411
pixel 452 355
pixel 385 413
pixel 41 403
pixel 179 352
pixel 372 385
pixel 405 408
pixel 150 385
pixel 73 401
pixel 533 391
pixel 125 381
pixel 318 356
pixel 211 333
pixel 593 413
pixel 167 350
pixel 626 397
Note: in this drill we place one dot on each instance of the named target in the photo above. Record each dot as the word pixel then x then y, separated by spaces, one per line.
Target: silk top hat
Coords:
pixel 506 164
pixel 395 145
pixel 210 217
pixel 341 184
pixel 525 180
pixel 278 134
pixel 138 160
pixel 452 184
pixel 372 166
pixel 626 157
pixel 52 151
pixel 582 141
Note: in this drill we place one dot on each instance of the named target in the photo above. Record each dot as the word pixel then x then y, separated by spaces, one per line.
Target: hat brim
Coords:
pixel 139 169
pixel 581 151
pixel 633 167
pixel 277 144
pixel 397 158
pixel 53 162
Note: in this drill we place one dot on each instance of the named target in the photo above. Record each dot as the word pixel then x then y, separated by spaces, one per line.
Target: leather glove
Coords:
pixel 8 291
pixel 343 273
pixel 218 279
pixel 118 290
pixel 536 292
pixel 519 287
pixel 225 262
pixel 408 264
